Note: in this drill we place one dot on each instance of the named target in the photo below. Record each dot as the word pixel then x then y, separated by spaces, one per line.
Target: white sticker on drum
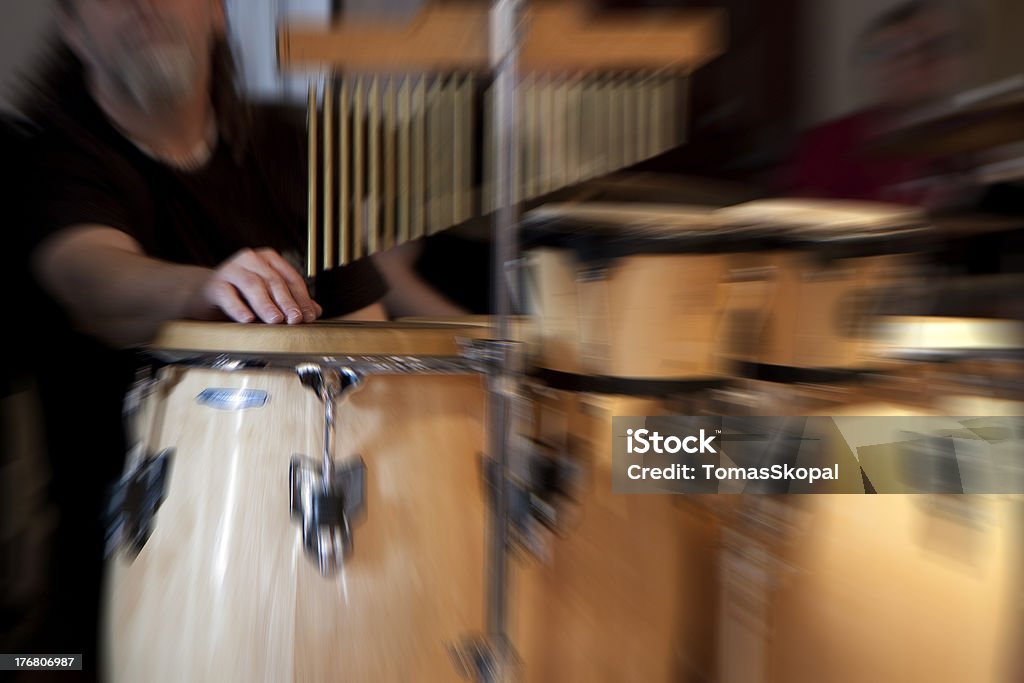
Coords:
pixel 232 399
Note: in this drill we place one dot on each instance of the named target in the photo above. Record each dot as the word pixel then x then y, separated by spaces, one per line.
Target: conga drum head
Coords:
pixel 938 337
pixel 613 230
pixel 824 215
pixel 523 327
pixel 183 338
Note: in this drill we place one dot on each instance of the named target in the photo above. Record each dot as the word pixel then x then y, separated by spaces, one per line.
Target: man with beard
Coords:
pixel 160 196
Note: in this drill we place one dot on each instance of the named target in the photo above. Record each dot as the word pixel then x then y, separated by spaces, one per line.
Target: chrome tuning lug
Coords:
pixel 326 498
pixel 327 510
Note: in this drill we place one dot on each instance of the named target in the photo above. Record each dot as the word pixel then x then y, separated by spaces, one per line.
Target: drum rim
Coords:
pixel 605 241
pixel 320 339
pixel 655 387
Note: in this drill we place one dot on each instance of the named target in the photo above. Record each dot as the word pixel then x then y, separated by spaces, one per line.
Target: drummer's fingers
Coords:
pixel 256 291
pixel 295 283
pixel 278 289
pixel 225 297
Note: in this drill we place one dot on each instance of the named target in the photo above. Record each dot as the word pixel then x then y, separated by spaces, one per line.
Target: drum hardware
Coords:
pixel 625 386
pixel 554 478
pixel 493 656
pixel 361 365
pixel 479 659
pixel 229 363
pixel 487 355
pixel 326 501
pixel 223 521
pixel 542 498
pixel 326 511
pixel 134 502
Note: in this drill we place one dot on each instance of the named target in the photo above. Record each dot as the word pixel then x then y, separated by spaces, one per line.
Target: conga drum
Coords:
pixel 305 504
pixel 804 300
pixel 628 291
pixel 625 591
pixel 889 587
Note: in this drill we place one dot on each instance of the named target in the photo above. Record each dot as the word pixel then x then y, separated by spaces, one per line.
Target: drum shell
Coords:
pixel 648 316
pixel 223 591
pixel 906 587
pixel 792 308
pixel 903 586
pixel 626 591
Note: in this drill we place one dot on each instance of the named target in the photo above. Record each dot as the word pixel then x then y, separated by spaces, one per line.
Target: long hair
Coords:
pixel 60 76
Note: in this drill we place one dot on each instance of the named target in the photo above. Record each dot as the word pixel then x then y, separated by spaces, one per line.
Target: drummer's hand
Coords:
pixel 258 285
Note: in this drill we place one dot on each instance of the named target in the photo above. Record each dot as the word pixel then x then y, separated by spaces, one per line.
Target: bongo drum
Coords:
pixel 622 593
pixel 824 272
pixel 627 291
pixel 305 504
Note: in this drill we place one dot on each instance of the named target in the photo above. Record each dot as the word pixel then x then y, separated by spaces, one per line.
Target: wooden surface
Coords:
pixel 882 587
pixel 627 593
pixel 349 338
pixel 223 590
pixel 560 36
pixel 650 315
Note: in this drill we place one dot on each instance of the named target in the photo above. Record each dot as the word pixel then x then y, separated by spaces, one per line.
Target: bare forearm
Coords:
pixel 119 296
pixel 408 293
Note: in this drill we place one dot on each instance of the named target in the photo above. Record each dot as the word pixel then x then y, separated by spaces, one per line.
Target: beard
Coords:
pixel 158 73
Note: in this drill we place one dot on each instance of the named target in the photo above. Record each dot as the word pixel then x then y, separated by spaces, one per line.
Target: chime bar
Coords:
pixel 393 135
pixel 394 158
pixel 314 145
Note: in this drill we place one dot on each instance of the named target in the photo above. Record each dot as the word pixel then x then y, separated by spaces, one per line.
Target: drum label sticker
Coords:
pixel 232 399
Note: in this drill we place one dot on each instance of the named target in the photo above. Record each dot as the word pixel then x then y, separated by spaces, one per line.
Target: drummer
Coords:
pixel 161 195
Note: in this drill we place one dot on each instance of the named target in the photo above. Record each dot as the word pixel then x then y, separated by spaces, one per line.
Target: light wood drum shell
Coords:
pixel 223 591
pixel 806 299
pixel 890 587
pixel 625 594
pixel 628 291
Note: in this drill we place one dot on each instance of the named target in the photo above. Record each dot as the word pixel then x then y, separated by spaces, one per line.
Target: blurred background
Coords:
pixel 916 107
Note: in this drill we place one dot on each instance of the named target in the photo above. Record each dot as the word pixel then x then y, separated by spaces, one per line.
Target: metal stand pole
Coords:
pixel 505 39
pixel 490 658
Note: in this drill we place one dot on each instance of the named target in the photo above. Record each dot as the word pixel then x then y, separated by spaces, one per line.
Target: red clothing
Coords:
pixel 833 161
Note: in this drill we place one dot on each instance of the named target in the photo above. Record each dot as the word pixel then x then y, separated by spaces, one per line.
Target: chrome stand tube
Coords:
pixel 506 17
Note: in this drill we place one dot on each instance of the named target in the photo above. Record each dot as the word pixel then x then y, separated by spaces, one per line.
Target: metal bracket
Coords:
pixel 134 501
pixel 327 511
pixel 545 500
pixel 482 659
pixel 487 356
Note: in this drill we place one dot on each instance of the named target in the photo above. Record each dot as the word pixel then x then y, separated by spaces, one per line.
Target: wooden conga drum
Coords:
pixel 889 587
pixel 217 575
pixel 623 592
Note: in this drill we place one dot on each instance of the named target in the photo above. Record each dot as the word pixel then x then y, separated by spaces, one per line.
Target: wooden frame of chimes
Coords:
pixel 401 136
